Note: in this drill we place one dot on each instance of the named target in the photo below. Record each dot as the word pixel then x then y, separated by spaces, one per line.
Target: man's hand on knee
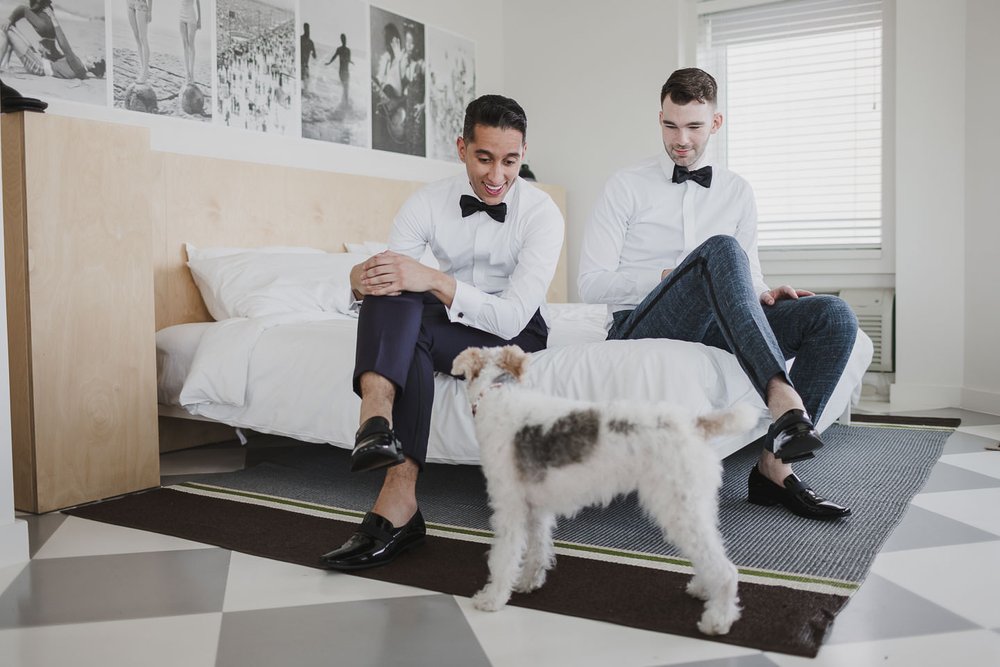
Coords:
pixel 771 297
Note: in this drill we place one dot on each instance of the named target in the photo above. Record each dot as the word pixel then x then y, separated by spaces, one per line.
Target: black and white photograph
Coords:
pixel 256 73
pixel 333 46
pixel 398 83
pixel 451 85
pixel 51 52
pixel 163 57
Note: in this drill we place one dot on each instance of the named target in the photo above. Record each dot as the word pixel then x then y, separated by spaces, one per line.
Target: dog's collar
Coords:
pixel 499 381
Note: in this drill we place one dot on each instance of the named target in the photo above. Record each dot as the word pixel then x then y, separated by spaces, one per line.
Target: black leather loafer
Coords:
pixel 375 446
pixel 793 437
pixel 376 542
pixel 795 495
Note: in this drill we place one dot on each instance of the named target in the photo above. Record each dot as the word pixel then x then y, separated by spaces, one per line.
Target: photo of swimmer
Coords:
pixel 333 38
pixel 163 56
pixel 51 52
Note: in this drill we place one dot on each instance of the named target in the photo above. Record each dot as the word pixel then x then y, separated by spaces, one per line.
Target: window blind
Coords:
pixel 801 91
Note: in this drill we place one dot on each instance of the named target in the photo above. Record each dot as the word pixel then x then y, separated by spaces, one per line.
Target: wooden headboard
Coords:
pixel 213 202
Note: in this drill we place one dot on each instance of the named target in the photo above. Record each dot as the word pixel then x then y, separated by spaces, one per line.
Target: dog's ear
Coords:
pixel 468 363
pixel 514 360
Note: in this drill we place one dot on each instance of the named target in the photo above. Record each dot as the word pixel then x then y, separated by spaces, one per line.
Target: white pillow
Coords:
pixel 194 252
pixel 258 284
pixel 370 248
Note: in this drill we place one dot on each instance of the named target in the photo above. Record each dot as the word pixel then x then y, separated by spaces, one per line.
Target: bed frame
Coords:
pixel 214 202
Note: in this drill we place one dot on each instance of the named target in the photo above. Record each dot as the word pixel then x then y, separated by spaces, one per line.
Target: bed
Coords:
pixel 283 365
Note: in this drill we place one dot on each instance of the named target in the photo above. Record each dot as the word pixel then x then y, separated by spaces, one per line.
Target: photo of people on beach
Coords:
pixel 451 85
pixel 256 73
pixel 163 56
pixel 398 84
pixel 333 39
pixel 49 51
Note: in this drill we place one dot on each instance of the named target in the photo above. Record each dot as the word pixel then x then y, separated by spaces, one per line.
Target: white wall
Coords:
pixel 589 75
pixel 982 231
pixel 930 203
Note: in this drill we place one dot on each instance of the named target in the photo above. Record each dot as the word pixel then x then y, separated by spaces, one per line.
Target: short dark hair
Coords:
pixel 690 85
pixel 494 111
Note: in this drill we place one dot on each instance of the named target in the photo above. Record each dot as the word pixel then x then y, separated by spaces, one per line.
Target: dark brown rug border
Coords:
pixel 903 420
pixel 775 618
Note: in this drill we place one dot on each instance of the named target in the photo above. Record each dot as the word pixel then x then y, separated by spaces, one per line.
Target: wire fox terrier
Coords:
pixel 546 457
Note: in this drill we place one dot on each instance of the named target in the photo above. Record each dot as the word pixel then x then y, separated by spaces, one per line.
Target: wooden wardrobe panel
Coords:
pixel 91 315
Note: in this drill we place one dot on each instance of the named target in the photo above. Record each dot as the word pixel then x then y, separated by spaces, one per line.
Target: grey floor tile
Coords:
pixel 883 610
pixel 946 477
pixel 965 443
pixel 426 630
pixel 922 528
pixel 40 529
pixel 116 587
pixel 756 660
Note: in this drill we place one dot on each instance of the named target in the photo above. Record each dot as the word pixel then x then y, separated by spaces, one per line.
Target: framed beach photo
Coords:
pixel 51 51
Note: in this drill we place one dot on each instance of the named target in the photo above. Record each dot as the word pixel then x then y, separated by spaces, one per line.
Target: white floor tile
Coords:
pixel 988 431
pixel 82 537
pixel 261 583
pixel 514 637
pixel 963 579
pixel 978 507
pixel 985 462
pixel 153 642
pixel 979 648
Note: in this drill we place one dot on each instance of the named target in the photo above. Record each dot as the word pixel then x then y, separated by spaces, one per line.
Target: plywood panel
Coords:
pixel 211 202
pixel 91 295
pixel 18 318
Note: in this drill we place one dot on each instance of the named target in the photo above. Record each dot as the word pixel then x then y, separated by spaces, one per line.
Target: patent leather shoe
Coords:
pixel 794 494
pixel 792 437
pixel 375 446
pixel 376 542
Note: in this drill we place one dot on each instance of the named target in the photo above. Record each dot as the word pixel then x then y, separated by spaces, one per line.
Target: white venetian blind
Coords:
pixel 801 90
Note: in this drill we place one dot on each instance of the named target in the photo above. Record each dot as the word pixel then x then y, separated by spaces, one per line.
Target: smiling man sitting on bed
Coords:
pixel 671 247
pixel 497 239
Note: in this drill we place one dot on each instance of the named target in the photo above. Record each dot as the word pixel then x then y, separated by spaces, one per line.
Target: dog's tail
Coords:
pixel 737 419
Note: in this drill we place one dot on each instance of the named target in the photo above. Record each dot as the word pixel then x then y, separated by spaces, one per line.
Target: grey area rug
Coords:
pixel 875 471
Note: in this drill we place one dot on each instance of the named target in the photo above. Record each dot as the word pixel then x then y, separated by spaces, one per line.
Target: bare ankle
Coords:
pixel 773 468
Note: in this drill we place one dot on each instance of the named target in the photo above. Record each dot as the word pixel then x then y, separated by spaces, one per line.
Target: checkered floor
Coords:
pixel 95 594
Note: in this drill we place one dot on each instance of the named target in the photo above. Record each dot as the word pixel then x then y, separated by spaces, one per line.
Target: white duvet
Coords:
pixel 291 375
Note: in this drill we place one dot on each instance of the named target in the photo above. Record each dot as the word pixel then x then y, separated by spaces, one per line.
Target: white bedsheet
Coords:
pixel 291 375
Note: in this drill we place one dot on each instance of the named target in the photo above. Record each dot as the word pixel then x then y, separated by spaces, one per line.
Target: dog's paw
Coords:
pixel 696 588
pixel 489 600
pixel 718 620
pixel 530 581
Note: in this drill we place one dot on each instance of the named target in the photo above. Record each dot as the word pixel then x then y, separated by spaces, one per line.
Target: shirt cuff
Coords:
pixel 466 304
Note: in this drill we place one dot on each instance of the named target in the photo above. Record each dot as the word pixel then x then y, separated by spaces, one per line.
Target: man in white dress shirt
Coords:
pixel 671 247
pixel 497 239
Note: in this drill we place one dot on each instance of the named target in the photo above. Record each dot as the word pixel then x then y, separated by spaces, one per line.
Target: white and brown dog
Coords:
pixel 546 457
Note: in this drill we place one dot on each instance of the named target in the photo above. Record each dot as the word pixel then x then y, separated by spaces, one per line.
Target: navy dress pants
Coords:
pixel 405 339
pixel 710 299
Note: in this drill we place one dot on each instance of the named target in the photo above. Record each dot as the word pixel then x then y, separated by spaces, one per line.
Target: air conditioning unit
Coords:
pixel 875 309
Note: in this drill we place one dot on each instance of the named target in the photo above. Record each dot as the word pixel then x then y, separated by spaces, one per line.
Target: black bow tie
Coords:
pixel 702 177
pixel 470 205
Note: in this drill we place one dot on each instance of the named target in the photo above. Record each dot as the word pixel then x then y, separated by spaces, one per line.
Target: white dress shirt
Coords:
pixel 644 223
pixel 502 270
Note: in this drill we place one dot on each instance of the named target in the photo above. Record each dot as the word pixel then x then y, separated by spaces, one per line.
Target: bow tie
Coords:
pixel 470 205
pixel 702 177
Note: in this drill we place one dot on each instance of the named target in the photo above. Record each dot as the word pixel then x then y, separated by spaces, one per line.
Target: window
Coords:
pixel 801 90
